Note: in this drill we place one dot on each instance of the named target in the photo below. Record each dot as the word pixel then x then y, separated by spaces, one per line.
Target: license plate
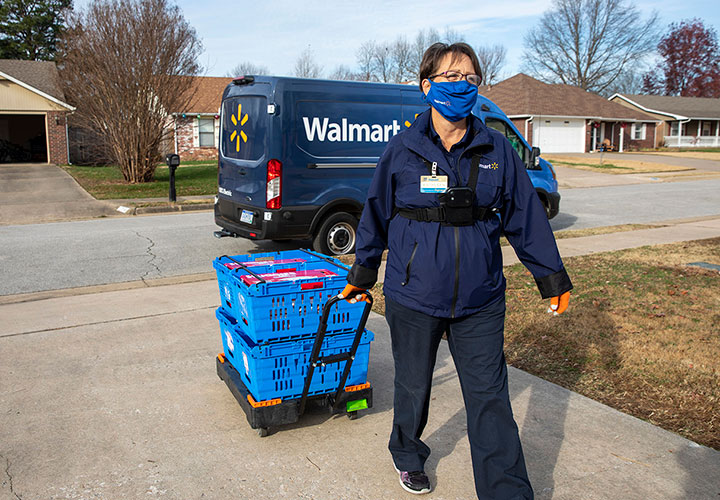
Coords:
pixel 246 217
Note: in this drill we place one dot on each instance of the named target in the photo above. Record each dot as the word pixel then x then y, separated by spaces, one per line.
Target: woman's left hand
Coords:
pixel 559 304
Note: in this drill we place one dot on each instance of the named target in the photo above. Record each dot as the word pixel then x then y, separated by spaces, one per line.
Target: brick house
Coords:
pixel 683 121
pixel 567 119
pixel 197 128
pixel 33 113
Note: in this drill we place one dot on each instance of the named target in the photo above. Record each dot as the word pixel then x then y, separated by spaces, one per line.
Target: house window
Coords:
pixel 206 129
pixel 638 131
pixel 707 128
pixel 674 128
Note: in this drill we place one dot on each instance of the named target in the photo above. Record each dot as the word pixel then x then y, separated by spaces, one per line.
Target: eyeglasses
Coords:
pixel 456 76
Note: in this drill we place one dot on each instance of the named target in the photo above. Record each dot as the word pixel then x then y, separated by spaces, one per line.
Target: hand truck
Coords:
pixel 266 414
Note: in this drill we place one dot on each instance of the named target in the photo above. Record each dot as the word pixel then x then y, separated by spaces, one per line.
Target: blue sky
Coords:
pixel 273 33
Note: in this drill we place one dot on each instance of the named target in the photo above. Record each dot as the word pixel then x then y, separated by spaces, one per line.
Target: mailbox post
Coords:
pixel 173 161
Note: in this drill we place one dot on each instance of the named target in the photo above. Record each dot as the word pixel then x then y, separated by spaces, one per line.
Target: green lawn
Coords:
pixel 106 182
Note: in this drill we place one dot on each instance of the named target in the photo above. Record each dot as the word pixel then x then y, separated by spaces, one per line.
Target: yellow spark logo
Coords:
pixel 494 166
pixel 235 136
pixel 407 123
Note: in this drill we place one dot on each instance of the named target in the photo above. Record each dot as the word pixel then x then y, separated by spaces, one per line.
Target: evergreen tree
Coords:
pixel 29 29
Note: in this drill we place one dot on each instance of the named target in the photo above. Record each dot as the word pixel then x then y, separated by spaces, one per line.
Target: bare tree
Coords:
pixel 342 72
pixel 452 36
pixel 423 40
pixel 121 67
pixel 382 62
pixel 306 67
pixel 629 81
pixel 588 43
pixel 247 68
pixel 401 53
pixel 492 60
pixel 365 61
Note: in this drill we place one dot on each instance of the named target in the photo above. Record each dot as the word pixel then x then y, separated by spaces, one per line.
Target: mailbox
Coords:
pixel 173 161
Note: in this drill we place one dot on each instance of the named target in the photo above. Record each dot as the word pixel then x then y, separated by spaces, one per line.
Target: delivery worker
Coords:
pixel 443 192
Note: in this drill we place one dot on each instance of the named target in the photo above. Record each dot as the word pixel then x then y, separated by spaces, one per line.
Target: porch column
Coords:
pixel 622 137
pixel 679 132
pixel 717 133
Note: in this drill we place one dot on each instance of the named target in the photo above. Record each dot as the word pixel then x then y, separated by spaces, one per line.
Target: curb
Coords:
pixel 171 208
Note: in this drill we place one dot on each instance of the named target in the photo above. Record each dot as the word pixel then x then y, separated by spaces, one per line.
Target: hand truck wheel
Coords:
pixel 263 431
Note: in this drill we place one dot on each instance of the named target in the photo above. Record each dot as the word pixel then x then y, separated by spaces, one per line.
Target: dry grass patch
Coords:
pixel 642 334
pixel 614 165
pixel 688 154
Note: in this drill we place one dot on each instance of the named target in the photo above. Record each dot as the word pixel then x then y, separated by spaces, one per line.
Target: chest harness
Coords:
pixel 457 204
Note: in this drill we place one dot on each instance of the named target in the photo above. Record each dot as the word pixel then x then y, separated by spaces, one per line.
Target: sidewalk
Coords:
pixel 114 395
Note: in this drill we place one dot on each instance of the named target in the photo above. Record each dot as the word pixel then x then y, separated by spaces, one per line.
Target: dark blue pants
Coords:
pixel 476 345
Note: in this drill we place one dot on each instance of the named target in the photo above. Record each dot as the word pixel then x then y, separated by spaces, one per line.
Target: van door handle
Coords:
pixel 341 165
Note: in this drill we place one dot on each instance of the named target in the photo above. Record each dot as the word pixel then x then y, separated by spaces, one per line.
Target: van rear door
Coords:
pixel 245 134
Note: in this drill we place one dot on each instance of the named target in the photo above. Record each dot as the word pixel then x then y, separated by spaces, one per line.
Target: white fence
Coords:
pixel 691 141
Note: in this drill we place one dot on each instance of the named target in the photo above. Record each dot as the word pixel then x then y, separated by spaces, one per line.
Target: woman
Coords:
pixel 443 192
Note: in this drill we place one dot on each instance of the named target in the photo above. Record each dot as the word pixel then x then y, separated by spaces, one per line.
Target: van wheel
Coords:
pixel 336 235
pixel 546 205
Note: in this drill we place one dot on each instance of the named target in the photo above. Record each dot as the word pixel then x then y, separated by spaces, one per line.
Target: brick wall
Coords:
pixel 648 142
pixel 57 139
pixel 187 140
pixel 520 125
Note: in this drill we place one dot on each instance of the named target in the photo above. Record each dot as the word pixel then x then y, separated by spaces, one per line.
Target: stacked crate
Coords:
pixel 271 304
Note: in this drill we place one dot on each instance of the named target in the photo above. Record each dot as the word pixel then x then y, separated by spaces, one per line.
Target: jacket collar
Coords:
pixel 416 138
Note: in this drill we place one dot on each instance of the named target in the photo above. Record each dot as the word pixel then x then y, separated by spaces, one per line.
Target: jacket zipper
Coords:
pixel 457 270
pixel 407 269
pixel 457 247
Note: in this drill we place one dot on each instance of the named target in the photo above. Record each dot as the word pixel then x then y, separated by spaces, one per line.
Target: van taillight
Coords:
pixel 274 183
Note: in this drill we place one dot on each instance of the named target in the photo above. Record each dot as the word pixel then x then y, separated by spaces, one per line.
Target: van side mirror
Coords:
pixel 534 157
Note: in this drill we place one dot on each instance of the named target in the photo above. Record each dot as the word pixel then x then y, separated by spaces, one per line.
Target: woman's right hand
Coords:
pixel 353 294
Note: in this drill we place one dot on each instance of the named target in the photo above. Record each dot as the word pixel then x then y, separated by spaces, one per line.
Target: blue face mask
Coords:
pixel 453 100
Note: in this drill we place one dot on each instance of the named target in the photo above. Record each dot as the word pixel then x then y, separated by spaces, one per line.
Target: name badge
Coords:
pixel 433 183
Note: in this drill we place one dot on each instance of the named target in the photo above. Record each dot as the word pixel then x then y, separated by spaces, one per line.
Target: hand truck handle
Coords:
pixel 320 336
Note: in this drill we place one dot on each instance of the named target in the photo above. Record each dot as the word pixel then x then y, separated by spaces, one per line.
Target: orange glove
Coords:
pixel 559 304
pixel 353 294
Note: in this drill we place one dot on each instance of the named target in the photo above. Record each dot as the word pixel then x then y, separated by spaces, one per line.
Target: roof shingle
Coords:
pixel 41 75
pixel 524 95
pixel 208 94
pixel 689 107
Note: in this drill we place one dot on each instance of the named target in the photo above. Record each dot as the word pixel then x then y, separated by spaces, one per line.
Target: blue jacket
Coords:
pixel 452 271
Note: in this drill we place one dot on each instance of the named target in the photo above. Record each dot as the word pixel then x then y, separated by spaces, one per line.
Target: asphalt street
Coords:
pixel 61 255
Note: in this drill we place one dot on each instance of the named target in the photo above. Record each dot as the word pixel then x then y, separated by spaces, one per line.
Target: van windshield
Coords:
pixel 244 126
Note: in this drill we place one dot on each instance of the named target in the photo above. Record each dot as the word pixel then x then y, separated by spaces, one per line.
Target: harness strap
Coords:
pixel 437 214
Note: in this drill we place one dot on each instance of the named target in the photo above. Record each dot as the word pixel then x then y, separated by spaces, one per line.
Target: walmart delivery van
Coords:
pixel 296 156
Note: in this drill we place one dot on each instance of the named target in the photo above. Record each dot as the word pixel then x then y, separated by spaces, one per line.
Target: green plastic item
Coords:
pixel 360 404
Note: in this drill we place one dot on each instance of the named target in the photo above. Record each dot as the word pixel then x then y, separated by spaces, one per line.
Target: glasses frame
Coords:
pixel 462 76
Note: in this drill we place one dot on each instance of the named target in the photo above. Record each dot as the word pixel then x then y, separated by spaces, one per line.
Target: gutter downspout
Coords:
pixel 657 124
pixel 529 141
pixel 67 138
pixel 175 132
pixel 680 124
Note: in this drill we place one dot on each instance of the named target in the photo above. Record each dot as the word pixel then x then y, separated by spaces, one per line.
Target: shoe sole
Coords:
pixel 409 490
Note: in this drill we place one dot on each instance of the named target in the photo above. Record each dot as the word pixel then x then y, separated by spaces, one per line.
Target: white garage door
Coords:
pixel 557 135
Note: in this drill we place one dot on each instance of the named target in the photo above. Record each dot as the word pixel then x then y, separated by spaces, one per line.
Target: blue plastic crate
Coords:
pixel 279 369
pixel 288 304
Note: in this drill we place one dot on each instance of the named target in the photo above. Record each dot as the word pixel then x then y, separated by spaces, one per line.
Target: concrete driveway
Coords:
pixel 43 193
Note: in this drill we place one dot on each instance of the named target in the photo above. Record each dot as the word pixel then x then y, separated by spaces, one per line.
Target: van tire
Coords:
pixel 337 234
